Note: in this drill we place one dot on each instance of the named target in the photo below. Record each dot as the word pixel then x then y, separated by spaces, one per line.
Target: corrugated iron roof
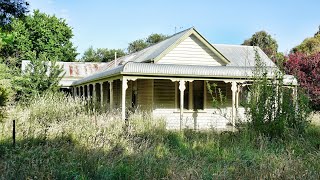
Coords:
pixel 243 56
pixel 153 51
pixel 150 69
pixel 81 69
pixel 76 69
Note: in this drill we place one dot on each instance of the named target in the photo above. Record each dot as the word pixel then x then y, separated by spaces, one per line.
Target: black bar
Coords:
pixel 14 133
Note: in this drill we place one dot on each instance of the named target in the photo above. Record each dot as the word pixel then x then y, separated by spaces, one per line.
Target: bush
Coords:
pixel 272 109
pixel 41 75
pixel 306 68
pixel 6 91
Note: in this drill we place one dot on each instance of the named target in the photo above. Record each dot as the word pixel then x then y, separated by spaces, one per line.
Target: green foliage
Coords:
pixel 101 54
pixel 265 41
pixel 309 46
pixel 5 38
pixel 57 139
pixel 40 33
pixel 12 9
pixel 41 75
pixel 155 38
pixel 140 44
pixel 272 109
pixel 137 45
pixel 218 99
pixel 6 91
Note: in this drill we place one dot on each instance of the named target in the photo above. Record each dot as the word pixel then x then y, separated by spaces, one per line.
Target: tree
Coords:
pixel 306 68
pixel 12 8
pixel 309 45
pixel 155 38
pixel 40 33
pixel 41 75
pixel 140 44
pixel 265 41
pixel 101 54
pixel 90 55
pixel 107 55
pixel 137 45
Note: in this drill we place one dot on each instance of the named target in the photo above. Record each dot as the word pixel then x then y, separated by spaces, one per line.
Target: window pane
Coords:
pixel 198 94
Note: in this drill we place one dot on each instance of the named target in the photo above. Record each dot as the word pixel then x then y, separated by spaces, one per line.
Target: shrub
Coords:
pixel 306 68
pixel 273 110
pixel 41 75
pixel 6 91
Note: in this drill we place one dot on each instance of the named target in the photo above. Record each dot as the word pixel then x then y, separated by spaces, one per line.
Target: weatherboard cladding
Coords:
pixel 191 51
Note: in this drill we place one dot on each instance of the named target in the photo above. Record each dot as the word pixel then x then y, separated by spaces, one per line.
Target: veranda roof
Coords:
pixel 170 70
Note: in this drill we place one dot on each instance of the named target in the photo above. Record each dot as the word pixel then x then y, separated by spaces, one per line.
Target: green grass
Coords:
pixel 58 139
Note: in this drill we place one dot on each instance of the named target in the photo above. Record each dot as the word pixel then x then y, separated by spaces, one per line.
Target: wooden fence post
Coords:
pixel 14 133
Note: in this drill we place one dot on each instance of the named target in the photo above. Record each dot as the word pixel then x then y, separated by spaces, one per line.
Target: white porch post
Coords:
pixel 237 96
pixel 176 94
pixel 88 92
pixel 94 95
pixel 205 94
pixel 75 91
pixel 123 99
pixel 111 94
pixel 233 89
pixel 182 87
pixel 295 96
pixel 101 94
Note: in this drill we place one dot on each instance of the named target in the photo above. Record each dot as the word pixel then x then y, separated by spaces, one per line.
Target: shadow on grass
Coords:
pixel 64 158
pixel 157 154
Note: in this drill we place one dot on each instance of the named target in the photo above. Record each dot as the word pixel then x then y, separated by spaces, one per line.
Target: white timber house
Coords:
pixel 169 81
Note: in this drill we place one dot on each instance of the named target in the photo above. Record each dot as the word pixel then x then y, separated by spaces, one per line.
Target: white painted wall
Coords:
pixel 191 51
pixel 201 120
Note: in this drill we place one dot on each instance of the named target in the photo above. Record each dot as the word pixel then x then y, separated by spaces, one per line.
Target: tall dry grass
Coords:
pixel 58 138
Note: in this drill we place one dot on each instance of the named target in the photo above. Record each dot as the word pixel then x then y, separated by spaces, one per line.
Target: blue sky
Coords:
pixel 113 24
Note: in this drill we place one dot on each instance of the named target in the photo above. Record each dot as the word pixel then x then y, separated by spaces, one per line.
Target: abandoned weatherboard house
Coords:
pixel 169 80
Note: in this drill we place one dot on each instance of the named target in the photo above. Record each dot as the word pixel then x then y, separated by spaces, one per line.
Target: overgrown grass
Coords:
pixel 58 139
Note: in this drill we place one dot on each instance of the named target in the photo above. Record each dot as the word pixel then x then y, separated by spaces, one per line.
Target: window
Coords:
pixel 193 96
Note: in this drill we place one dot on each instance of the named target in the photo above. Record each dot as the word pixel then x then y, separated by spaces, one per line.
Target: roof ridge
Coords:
pixel 238 45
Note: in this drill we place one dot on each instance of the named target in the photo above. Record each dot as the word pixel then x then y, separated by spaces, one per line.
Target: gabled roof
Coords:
pixel 239 61
pixel 157 51
pixel 243 56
